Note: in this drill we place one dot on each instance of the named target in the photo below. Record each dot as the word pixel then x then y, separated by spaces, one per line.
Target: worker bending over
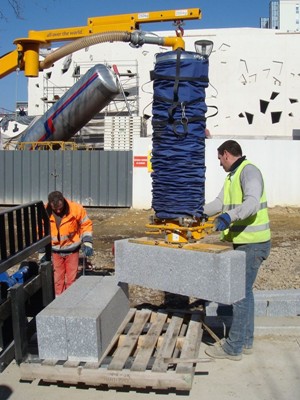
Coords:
pixel 245 223
pixel 70 227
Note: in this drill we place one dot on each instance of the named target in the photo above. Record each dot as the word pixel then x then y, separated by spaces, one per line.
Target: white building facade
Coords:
pixel 254 80
pixel 283 15
pixel 289 15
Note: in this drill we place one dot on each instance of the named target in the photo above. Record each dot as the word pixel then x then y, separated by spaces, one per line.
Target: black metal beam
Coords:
pixel 19 321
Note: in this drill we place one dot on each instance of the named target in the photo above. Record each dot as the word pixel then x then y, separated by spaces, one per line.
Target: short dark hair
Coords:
pixel 232 147
pixel 55 198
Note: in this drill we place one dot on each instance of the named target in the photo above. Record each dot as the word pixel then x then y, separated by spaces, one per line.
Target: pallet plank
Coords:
pixel 128 318
pixel 168 344
pixel 122 353
pixel 102 376
pixel 191 345
pixel 148 344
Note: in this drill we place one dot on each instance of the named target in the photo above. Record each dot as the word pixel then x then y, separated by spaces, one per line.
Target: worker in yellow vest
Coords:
pixel 244 222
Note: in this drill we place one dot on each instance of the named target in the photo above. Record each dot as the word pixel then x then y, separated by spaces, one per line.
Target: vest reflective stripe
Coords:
pixel 67 248
pixel 232 206
pixel 254 229
pixel 249 228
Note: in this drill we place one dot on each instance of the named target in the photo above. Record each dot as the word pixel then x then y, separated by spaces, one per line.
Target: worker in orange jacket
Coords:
pixel 70 228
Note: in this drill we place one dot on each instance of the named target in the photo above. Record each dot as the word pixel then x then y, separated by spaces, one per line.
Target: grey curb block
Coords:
pixel 218 277
pixel 268 303
pixel 277 312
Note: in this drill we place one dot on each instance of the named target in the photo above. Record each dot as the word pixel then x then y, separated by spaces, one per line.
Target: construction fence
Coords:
pixel 93 178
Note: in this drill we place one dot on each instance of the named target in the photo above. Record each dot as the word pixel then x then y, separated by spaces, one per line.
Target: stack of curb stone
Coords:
pixel 79 324
pixel 268 303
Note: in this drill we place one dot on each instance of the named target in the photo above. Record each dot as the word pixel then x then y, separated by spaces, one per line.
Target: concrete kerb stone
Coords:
pixel 51 321
pixel 277 312
pixel 79 324
pixel 216 277
pixel 277 303
pixel 263 326
pixel 268 303
pixel 92 324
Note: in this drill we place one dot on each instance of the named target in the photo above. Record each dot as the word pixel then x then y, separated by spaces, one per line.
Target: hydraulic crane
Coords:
pixel 122 27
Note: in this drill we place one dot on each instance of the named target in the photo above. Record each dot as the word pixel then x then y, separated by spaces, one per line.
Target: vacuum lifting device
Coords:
pixel 124 27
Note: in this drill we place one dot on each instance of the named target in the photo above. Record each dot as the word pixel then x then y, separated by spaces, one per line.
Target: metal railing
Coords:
pixel 24 230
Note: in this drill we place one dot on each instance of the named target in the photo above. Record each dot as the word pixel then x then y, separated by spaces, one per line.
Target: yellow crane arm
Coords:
pixel 26 56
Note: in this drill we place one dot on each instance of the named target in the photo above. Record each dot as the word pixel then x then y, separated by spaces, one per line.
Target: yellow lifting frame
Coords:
pixel 26 56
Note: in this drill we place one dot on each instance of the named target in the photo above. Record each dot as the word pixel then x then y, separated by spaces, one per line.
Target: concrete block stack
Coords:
pixel 79 324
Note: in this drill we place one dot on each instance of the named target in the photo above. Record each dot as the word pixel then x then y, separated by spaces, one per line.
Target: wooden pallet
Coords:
pixel 155 350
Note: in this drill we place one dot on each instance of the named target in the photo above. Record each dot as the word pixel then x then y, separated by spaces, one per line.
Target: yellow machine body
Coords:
pixel 26 56
pixel 180 231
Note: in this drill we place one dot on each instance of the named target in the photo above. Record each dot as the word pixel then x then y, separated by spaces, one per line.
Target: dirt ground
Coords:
pixel 280 271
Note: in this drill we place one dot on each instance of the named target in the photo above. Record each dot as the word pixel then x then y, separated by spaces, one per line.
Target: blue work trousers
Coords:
pixel 242 328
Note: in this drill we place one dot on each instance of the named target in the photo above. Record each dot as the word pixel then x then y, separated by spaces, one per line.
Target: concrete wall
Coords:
pixel 279 161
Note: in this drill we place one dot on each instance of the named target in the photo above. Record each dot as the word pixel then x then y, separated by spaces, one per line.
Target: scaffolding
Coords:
pixel 125 105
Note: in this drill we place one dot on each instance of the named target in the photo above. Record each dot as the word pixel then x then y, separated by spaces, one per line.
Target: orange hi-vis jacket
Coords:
pixel 75 228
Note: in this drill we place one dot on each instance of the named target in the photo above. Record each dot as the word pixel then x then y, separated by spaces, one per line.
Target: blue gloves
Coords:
pixel 222 222
pixel 87 249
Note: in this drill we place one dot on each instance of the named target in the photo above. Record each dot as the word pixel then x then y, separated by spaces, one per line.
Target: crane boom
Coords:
pixel 26 55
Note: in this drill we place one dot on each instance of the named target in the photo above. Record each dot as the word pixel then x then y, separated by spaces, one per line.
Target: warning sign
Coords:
pixel 140 161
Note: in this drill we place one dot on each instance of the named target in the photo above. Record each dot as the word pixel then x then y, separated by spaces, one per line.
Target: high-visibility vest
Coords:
pixel 254 229
pixel 75 227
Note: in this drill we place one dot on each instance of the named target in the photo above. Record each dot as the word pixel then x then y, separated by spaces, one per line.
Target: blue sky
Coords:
pixel 51 14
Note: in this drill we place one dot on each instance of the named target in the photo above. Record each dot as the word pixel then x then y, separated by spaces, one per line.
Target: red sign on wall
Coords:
pixel 140 161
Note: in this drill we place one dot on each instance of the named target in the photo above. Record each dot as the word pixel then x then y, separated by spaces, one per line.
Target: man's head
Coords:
pixel 228 153
pixel 56 201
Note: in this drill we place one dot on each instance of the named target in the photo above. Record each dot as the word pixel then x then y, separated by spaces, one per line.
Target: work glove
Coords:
pixel 222 222
pixel 87 249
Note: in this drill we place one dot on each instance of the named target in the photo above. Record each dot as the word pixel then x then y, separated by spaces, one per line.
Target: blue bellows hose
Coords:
pixel 178 144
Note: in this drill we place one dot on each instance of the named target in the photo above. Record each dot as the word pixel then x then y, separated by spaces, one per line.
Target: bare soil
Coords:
pixel 280 271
